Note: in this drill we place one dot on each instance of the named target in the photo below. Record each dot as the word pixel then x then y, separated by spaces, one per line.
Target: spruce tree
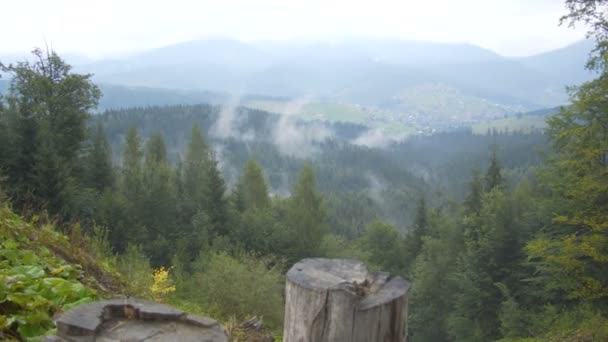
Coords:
pixel 156 151
pixel 217 205
pixel 472 203
pixel 196 170
pixel 99 172
pixel 253 187
pixel 132 166
pixel 413 240
pixel 493 177
pixel 305 216
pixel 50 105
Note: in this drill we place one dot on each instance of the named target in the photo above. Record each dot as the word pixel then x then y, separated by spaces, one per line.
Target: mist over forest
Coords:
pixel 197 173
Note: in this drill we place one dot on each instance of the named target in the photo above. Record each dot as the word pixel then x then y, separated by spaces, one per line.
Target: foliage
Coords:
pixel 592 14
pixel 305 217
pixel 237 286
pixel 47 111
pixel 161 285
pixel 575 245
pixel 490 259
pixel 383 247
pixel 34 283
pixel 136 272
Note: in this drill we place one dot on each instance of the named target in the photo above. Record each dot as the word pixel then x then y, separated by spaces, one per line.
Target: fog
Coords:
pixel 113 28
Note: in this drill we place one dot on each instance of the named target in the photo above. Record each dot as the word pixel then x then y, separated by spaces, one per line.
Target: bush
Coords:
pixel 136 271
pixel 34 283
pixel 238 288
pixel 576 324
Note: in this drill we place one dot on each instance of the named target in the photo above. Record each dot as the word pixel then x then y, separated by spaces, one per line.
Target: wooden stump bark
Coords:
pixel 339 300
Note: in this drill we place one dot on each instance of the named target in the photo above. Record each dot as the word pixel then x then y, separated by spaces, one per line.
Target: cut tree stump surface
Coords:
pixel 340 300
pixel 134 320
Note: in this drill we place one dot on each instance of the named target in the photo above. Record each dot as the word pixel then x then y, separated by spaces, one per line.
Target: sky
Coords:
pixel 107 28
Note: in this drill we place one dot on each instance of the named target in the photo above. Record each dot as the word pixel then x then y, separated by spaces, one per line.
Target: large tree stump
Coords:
pixel 339 300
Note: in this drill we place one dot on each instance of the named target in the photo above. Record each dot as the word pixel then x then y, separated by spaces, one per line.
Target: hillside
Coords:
pixel 396 86
pixel 356 71
pixel 44 273
pixel 565 65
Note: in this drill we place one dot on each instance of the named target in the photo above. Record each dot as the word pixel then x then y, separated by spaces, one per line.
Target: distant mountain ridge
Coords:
pixel 369 72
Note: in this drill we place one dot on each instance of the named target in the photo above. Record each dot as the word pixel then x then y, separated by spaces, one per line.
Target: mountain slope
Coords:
pixel 370 72
pixel 567 65
pixel 43 273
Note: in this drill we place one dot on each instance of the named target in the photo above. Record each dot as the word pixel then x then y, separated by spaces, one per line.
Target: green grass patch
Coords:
pixel 526 124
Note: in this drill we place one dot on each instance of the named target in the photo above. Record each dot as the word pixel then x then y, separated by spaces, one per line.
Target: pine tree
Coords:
pixel 196 170
pixel 383 247
pixel 493 177
pixel 156 151
pixel 217 205
pixel 132 166
pixel 253 187
pixel 472 203
pixel 574 252
pixel 99 172
pixel 50 105
pixel 196 225
pixel 413 240
pixel 305 216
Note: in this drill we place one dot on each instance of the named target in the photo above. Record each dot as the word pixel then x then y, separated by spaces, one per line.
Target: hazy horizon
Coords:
pixel 111 28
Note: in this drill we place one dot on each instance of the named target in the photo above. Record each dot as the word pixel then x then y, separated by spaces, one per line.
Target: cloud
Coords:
pixel 229 121
pixel 298 139
pixel 375 188
pixel 377 138
pixel 166 22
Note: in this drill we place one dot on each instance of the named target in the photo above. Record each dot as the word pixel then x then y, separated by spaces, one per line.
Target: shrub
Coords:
pixel 241 287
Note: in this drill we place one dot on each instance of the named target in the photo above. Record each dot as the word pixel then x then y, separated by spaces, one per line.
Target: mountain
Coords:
pixel 376 73
pixel 566 64
pixel 71 58
pixel 114 97
pixel 4 84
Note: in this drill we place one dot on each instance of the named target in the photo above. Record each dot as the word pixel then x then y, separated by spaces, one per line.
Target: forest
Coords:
pixel 503 235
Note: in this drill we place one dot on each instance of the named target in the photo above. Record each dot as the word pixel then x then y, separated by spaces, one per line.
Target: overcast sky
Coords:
pixel 112 27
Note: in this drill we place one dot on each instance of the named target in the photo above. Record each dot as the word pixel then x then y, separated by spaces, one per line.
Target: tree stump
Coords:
pixel 339 300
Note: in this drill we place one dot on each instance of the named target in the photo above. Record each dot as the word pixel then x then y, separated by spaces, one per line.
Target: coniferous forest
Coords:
pixel 503 235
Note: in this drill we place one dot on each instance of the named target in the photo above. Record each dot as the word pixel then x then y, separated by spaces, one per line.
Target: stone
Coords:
pixel 134 320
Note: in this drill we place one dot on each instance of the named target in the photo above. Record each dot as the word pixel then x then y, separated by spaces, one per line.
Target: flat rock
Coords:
pixel 134 320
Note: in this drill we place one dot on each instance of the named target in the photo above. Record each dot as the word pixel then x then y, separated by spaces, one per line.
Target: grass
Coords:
pixel 526 124
pixel 313 110
pixel 333 112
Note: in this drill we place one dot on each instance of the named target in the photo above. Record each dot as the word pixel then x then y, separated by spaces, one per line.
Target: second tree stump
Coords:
pixel 339 300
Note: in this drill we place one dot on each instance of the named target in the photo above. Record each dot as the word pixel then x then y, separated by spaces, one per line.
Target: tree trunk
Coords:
pixel 339 300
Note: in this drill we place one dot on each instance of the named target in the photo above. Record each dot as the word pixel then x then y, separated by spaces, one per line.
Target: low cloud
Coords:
pixel 295 138
pixel 377 138
pixel 228 122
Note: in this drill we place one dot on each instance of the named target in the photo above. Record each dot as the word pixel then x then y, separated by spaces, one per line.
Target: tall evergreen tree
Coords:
pixel 99 171
pixel 253 188
pixel 217 205
pixel 51 105
pixel 413 240
pixel 196 169
pixel 574 249
pixel 131 184
pixel 472 203
pixel 493 177
pixel 156 151
pixel 196 224
pixel 305 216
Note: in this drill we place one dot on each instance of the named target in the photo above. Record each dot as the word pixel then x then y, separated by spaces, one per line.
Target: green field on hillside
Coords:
pixel 333 112
pixel 527 123
pixel 312 110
